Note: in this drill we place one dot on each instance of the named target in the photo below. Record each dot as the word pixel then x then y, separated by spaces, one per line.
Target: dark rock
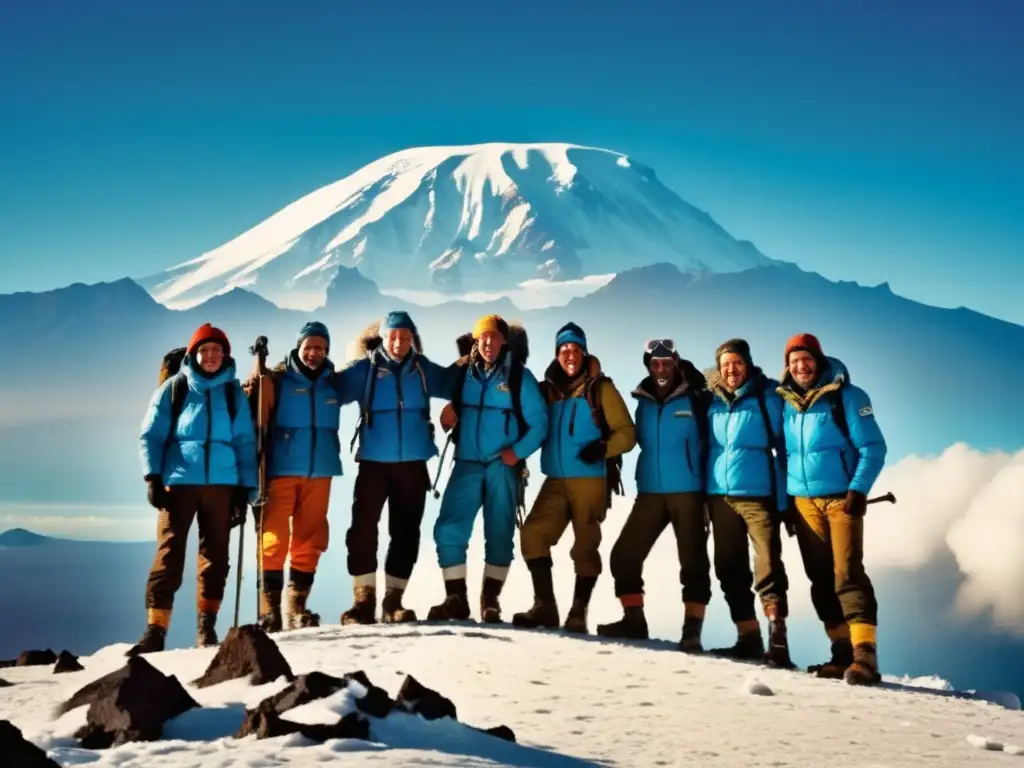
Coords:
pixel 502 732
pixel 35 658
pixel 376 702
pixel 67 662
pixel 4 663
pixel 246 651
pixel 130 704
pixel 5 683
pixel 415 697
pixel 268 724
pixel 360 677
pixel 305 688
pixel 16 750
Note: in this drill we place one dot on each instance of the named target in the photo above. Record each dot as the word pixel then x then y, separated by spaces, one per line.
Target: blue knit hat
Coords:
pixel 398 319
pixel 314 328
pixel 570 333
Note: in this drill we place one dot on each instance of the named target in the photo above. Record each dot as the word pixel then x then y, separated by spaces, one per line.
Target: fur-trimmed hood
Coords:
pixel 370 341
pixel 692 378
pixel 555 377
pixel 517 344
pixel 832 378
pixel 757 378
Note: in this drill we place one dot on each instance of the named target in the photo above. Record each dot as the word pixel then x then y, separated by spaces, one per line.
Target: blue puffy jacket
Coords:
pixel 670 434
pixel 396 425
pixel 739 462
pixel 207 448
pixel 303 436
pixel 821 461
pixel 487 422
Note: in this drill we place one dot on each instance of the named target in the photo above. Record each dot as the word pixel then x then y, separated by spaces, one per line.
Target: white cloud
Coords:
pixel 531 294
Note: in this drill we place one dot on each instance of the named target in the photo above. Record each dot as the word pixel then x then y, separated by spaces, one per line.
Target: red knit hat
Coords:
pixel 207 333
pixel 805 341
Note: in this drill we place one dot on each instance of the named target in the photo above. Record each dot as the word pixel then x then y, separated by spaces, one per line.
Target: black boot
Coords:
pixel 632 625
pixel 749 646
pixel 778 646
pixel 299 585
pixel 544 611
pixel 490 606
pixel 835 667
pixel 455 606
pixel 270 602
pixel 152 641
pixel 576 621
pixel 391 609
pixel 206 630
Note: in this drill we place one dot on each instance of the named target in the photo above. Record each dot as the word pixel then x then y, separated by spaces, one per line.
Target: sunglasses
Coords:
pixel 653 344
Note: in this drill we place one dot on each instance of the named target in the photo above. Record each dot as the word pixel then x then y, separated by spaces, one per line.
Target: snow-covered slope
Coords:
pixel 462 219
pixel 569 702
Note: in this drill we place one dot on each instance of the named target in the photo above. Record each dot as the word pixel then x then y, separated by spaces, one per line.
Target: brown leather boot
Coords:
pixel 835 667
pixel 152 641
pixel 364 606
pixel 455 606
pixel 576 621
pixel 271 620
pixel 391 610
pixel 543 613
pixel 778 646
pixel 299 585
pixel 206 630
pixel 864 669
pixel 490 605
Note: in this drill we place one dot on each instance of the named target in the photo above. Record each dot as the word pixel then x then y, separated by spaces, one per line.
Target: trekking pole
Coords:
pixel 440 463
pixel 260 350
pixel 887 497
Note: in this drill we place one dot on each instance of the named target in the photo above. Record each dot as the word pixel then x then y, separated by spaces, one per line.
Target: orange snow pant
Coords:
pixel 295 523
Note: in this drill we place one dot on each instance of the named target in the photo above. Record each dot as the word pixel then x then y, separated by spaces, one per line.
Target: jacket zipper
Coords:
pixel 209 434
pixel 657 443
pixel 312 424
pixel 401 406
pixel 484 381
pixel 572 420
pixel 728 456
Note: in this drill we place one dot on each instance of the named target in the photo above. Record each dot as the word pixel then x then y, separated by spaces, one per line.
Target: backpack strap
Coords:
pixel 365 413
pixel 613 465
pixel 773 449
pixel 231 396
pixel 515 385
pixel 839 414
pixel 179 393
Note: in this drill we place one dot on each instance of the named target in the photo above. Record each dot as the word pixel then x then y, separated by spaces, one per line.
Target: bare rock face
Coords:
pixel 67 662
pixel 35 658
pixel 16 750
pixel 416 698
pixel 246 651
pixel 5 683
pixel 502 732
pixel 265 723
pixel 130 704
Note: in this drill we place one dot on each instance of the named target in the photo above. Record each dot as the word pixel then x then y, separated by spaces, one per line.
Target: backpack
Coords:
pixel 170 368
pixel 366 415
pixel 515 386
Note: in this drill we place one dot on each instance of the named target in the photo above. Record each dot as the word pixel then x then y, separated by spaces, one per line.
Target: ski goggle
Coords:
pixel 654 344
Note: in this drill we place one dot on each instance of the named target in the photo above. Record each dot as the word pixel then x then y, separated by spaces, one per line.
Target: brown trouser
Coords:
pixel 403 487
pixel 577 500
pixel 832 547
pixel 733 520
pixel 651 514
pixel 211 505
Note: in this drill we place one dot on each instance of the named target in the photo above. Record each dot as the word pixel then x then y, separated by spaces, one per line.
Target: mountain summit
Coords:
pixel 459 219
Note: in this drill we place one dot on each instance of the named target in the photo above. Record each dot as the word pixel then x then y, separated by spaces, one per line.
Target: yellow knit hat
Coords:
pixel 490 323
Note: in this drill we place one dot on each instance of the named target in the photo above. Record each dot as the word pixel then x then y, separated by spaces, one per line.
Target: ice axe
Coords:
pixel 879 499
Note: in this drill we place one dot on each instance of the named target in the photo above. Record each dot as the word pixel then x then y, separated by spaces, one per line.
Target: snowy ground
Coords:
pixel 570 702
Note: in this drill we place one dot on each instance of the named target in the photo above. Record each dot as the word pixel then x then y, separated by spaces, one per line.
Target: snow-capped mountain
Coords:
pixel 483 219
pixel 567 702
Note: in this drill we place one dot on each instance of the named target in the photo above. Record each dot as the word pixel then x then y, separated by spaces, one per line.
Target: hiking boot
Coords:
pixel 543 613
pixel 690 642
pixel 206 630
pixel 152 641
pixel 490 606
pixel 270 620
pixel 748 647
pixel 454 608
pixel 632 625
pixel 864 669
pixel 576 621
pixel 391 610
pixel 834 668
pixel 778 646
pixel 364 607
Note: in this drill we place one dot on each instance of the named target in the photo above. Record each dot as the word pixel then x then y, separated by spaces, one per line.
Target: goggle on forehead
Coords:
pixel 654 345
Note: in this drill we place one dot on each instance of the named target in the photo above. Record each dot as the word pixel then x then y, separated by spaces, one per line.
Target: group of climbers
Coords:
pixel 730 454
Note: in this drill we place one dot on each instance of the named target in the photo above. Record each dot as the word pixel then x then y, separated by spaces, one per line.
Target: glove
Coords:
pixel 239 506
pixel 156 493
pixel 856 504
pixel 593 452
pixel 789 521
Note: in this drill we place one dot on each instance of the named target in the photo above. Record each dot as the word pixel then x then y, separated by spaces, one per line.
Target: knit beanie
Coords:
pixel 494 323
pixel 398 319
pixel 205 333
pixel 806 342
pixel 737 347
pixel 314 328
pixel 570 333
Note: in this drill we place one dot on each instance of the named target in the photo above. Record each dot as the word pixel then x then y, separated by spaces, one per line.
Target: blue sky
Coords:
pixel 867 141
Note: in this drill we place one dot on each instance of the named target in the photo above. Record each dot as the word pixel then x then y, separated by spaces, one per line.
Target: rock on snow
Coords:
pixel 568 701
